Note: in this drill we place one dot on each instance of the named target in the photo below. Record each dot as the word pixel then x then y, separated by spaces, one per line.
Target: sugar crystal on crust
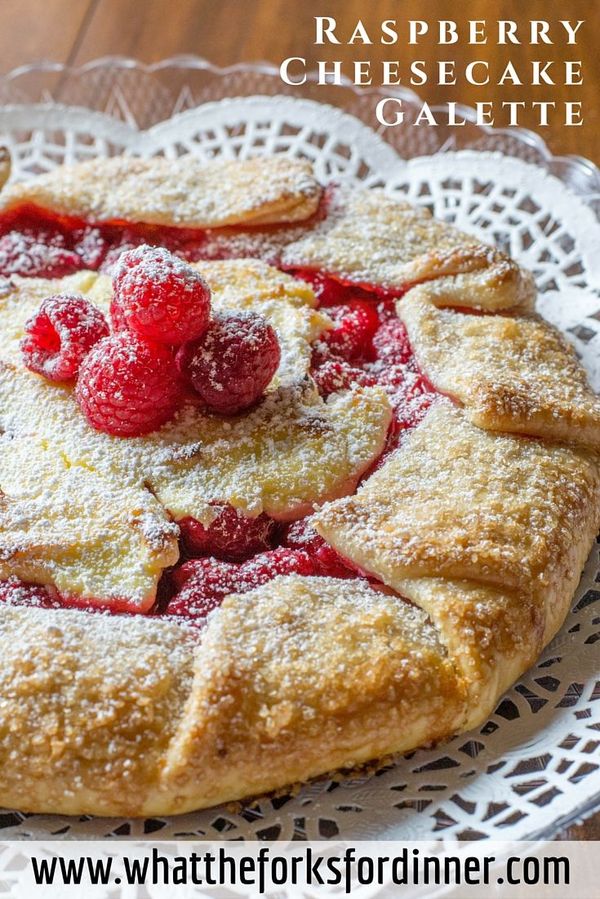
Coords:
pixel 512 373
pixel 304 670
pixel 184 192
pixel 459 502
pixel 88 706
pixel 369 238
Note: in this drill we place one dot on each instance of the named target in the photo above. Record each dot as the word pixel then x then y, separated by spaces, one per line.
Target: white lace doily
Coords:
pixel 534 766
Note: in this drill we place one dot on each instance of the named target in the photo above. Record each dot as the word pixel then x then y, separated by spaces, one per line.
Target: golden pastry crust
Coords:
pixel 491 634
pixel 287 681
pixel 181 193
pixel 480 537
pixel 515 374
pixel 300 677
pixel 362 236
pixel 369 238
pixel 460 502
pixel 88 707
pixel 479 278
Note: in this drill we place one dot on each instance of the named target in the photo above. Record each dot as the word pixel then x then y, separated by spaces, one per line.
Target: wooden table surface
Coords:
pixel 230 31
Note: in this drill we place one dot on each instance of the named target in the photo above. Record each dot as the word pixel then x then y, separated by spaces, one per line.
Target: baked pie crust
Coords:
pixel 184 193
pixel 474 531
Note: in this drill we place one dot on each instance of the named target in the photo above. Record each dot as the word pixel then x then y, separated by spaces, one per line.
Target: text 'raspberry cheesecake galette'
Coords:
pixel 292 478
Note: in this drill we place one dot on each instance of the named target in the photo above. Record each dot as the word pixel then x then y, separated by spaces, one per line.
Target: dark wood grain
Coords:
pixel 229 31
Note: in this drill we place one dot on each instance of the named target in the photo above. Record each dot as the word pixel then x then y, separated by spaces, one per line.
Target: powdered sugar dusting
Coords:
pixel 181 192
pixel 293 451
pixel 85 533
pixel 465 503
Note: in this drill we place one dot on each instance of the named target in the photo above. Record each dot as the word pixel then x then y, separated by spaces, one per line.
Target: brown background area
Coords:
pixel 230 31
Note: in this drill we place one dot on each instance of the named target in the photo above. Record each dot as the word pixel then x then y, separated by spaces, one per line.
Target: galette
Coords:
pixel 293 477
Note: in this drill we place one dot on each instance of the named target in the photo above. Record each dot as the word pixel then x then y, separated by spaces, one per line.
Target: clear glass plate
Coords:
pixel 144 95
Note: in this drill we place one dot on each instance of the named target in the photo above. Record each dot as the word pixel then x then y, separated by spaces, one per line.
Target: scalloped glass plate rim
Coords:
pixel 581 166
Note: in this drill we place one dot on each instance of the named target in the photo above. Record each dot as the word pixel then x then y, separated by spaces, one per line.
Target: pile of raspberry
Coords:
pixel 162 345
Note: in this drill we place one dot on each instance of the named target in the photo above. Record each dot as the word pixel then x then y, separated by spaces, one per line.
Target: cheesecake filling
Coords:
pixel 366 346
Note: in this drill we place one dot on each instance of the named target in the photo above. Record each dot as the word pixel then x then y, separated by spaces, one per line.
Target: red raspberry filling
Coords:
pixel 356 322
pixel 38 243
pixel 14 592
pixel 128 386
pixel 231 536
pixel 36 253
pixel 328 291
pixel 391 343
pixel 231 365
pixel 158 296
pixel 126 241
pixel 91 246
pixel 302 536
pixel 202 584
pixel 371 350
pixel 60 335
pixel 335 374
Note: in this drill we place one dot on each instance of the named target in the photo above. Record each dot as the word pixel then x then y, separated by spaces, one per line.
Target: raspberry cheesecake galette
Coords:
pixel 292 478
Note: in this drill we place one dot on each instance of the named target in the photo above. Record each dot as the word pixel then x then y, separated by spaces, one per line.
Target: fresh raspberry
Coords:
pixel 391 342
pixel 204 583
pixel 231 535
pixel 159 296
pixel 60 335
pixel 232 363
pixel 128 386
pixel 355 325
pixel 35 252
pixel 301 535
pixel 335 374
